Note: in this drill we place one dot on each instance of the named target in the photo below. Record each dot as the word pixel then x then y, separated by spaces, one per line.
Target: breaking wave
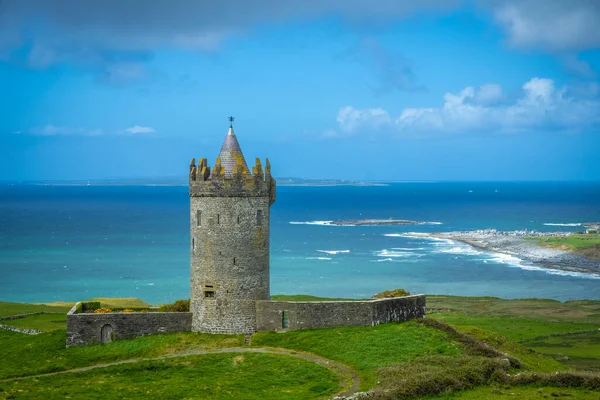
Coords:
pixel 557 224
pixel 333 252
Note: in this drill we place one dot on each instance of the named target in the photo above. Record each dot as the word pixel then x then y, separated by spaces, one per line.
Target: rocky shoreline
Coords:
pixel 515 243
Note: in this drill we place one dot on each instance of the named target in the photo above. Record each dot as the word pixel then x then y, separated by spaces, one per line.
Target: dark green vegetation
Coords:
pixel 467 348
pixel 177 306
pixel 582 243
pixel 212 376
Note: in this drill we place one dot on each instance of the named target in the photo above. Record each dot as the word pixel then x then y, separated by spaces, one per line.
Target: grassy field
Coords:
pixel 42 322
pixel 520 393
pixel 214 376
pixel 397 359
pixel 24 355
pixel 585 244
pixel 366 348
pixel 8 309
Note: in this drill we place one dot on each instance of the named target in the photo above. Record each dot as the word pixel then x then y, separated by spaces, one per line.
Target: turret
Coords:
pixel 230 226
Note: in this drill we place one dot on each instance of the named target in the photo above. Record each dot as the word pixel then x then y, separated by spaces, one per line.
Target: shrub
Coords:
pixel 178 306
pixel 102 310
pixel 127 310
pixel 391 293
pixel 436 374
pixel 90 306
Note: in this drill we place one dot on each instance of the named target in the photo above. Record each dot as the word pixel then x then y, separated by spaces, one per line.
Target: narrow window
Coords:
pixel 218 219
pixel 209 291
pixel 238 219
pixel 284 320
pixel 194 243
pixel 233 260
pixel 258 217
pixel 198 218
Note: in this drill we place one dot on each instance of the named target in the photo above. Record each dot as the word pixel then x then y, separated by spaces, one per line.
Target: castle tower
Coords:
pixel 229 229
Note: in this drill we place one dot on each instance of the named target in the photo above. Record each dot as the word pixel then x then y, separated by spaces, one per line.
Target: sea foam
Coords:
pixel 557 224
pixel 333 252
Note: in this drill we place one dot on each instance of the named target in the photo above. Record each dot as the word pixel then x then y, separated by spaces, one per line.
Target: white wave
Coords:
pixel 318 258
pixel 385 259
pixel 393 234
pixel 460 250
pixel 333 251
pixel 311 222
pixel 151 284
pixel 408 248
pixel 557 224
pixel 387 253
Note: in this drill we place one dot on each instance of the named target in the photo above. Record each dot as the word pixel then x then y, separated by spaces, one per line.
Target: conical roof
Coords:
pixel 230 152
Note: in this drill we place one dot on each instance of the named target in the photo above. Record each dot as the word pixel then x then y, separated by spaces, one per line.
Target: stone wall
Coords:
pixel 326 314
pixel 88 328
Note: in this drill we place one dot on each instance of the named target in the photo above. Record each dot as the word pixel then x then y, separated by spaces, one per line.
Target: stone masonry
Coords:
pixel 229 235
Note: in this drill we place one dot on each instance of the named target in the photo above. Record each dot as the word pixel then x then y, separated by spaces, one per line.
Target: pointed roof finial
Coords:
pixel 231 119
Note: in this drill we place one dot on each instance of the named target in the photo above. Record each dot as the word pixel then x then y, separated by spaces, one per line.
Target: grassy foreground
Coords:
pixel 212 376
pixel 467 348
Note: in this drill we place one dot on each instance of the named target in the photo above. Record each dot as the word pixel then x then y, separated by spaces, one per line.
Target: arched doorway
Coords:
pixel 106 334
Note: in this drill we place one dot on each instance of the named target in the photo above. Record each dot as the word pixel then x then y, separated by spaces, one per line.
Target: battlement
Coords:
pixel 213 182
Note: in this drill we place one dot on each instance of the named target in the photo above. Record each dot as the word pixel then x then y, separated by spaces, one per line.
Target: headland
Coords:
pixel 540 248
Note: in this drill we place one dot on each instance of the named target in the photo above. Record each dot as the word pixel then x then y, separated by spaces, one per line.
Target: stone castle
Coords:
pixel 229 268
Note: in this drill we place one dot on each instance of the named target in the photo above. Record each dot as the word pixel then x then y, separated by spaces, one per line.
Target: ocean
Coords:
pixel 67 243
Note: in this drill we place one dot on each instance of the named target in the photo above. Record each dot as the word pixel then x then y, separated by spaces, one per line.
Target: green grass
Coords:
pixel 215 376
pixel 24 355
pixel 366 348
pixel 42 322
pixel 581 351
pixel 512 328
pixel 521 393
pixel 586 244
pixel 7 309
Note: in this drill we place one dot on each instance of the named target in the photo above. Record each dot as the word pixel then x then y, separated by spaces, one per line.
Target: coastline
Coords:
pixel 516 244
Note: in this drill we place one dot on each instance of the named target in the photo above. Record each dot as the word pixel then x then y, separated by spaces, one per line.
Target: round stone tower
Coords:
pixel 229 234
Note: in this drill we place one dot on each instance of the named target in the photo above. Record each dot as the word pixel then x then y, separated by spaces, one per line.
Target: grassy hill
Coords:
pixel 467 348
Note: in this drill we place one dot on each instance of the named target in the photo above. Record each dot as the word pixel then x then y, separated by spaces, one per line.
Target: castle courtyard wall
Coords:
pixel 328 314
pixel 86 328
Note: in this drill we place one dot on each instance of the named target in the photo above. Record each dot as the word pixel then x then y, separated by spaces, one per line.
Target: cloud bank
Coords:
pixel 54 130
pixel 541 106
pixel 118 36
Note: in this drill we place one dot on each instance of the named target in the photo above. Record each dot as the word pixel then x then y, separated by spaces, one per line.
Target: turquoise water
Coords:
pixel 77 242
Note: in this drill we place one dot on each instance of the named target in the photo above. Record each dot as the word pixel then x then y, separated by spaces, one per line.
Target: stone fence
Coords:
pixel 293 315
pixel 88 328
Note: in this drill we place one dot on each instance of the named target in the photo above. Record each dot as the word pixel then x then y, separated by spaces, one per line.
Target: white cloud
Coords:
pixel 136 129
pixel 540 107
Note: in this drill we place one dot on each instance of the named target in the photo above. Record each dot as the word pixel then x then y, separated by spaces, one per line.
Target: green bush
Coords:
pixel 432 375
pixel 178 306
pixel 90 306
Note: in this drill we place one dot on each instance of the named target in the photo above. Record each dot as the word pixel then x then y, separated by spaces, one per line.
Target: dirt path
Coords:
pixel 349 379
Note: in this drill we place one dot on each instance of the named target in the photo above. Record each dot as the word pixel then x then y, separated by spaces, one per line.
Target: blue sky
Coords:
pixel 379 89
